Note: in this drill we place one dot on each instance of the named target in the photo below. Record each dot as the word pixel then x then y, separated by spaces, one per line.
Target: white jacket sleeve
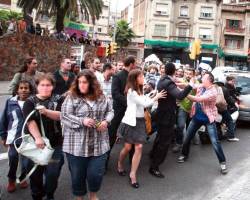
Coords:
pixel 140 99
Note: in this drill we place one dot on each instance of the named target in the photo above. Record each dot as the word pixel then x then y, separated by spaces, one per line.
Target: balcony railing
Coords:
pixel 181 38
pixel 234 8
pixel 234 30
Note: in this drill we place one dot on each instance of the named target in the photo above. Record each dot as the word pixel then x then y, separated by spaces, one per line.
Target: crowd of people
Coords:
pixel 85 110
pixel 21 26
pixel 26 25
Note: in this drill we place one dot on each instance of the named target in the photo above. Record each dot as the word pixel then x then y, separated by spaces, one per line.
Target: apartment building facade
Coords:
pixel 170 26
pixel 235 37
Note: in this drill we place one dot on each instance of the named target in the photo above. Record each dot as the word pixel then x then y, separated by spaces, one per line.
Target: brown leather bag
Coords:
pixel 221 103
pixel 148 122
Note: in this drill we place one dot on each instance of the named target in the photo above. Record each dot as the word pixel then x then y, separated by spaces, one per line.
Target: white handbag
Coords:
pixel 29 149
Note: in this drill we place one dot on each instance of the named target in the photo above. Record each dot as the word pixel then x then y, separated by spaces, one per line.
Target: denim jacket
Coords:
pixel 11 121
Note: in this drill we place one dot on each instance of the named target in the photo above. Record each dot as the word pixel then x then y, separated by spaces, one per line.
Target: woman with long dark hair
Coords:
pixel 85 116
pixel 133 127
pixel 27 72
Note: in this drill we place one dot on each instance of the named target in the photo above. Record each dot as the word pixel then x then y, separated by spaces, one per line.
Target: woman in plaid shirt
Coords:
pixel 85 116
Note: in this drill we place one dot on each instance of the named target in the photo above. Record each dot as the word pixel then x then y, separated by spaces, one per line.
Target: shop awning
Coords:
pixel 235 56
pixel 209 46
pixel 162 43
pixel 177 44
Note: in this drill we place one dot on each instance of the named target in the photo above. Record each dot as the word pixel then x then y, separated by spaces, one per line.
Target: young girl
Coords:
pixel 11 124
pixel 133 127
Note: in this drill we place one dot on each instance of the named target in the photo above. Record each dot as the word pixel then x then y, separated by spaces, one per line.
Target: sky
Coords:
pixel 121 4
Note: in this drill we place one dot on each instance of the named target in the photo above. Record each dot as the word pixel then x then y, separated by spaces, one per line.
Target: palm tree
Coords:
pixel 124 34
pixel 61 8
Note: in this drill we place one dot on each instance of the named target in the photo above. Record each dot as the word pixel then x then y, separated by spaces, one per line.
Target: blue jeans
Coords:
pixel 86 171
pixel 182 119
pixel 13 164
pixel 212 131
pixel 227 119
pixel 51 172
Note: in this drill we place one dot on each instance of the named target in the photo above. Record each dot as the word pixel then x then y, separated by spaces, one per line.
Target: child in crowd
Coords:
pixel 11 124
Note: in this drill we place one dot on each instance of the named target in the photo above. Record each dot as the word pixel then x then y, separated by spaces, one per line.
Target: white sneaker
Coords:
pixel 223 168
pixel 233 139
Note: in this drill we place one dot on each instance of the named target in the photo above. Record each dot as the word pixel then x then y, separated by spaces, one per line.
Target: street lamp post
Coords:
pixel 115 26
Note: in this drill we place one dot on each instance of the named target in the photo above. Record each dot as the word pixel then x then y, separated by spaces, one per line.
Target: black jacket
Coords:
pixel 166 111
pixel 61 85
pixel 231 97
pixel 119 82
pixel 232 91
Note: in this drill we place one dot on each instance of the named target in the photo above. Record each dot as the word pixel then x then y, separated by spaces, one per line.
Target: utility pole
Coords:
pixel 109 14
pixel 115 28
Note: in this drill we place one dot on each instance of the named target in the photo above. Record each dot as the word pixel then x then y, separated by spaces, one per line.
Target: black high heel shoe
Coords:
pixel 122 173
pixel 134 185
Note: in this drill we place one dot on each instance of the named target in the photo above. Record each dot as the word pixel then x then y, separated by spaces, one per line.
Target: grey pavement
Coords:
pixel 197 179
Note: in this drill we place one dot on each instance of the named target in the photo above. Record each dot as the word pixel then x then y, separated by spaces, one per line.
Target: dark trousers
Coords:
pixel 86 171
pixel 13 164
pixel 161 145
pixel 212 132
pixel 51 172
pixel 227 119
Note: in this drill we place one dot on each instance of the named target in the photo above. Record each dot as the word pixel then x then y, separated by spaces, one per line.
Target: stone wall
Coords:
pixel 14 48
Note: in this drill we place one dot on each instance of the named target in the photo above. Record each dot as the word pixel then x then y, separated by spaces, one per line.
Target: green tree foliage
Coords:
pixel 91 9
pixel 124 34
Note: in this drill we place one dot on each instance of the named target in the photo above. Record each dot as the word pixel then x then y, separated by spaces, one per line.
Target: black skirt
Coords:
pixel 133 134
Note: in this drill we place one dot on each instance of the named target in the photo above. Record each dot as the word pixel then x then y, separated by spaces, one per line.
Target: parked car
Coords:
pixel 221 72
pixel 243 86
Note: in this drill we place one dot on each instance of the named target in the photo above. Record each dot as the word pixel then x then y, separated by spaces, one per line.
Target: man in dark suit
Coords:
pixel 166 118
pixel 119 82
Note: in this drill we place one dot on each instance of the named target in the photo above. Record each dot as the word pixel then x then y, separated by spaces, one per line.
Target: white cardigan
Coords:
pixel 135 107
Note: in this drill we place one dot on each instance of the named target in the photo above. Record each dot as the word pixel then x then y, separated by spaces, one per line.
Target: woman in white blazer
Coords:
pixel 133 127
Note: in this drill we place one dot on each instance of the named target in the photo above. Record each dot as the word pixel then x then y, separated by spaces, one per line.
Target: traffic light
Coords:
pixel 195 49
pixel 192 54
pixel 113 47
pixel 108 50
pixel 198 46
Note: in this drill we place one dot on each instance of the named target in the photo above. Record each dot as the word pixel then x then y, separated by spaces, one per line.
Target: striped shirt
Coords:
pixel 106 87
pixel 80 140
pixel 209 104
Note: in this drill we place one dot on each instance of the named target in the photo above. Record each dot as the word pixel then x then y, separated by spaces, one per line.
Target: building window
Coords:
pixel 161 9
pixel 234 43
pixel 99 30
pixel 205 34
pixel 160 30
pixel 206 12
pixel 233 24
pixel 91 29
pixel 183 32
pixel 183 11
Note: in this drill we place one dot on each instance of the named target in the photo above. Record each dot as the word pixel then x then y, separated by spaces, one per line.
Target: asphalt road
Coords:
pixel 197 179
